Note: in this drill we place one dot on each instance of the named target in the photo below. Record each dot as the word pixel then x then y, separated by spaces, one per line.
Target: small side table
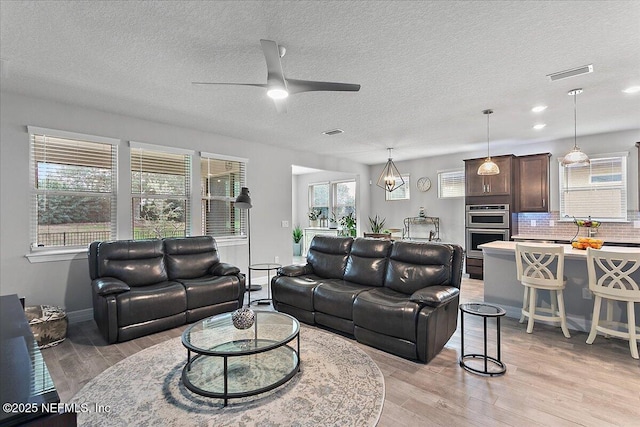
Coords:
pixel 268 267
pixel 485 311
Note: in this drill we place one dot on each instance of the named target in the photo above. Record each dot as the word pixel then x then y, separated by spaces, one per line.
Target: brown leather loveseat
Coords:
pixel 401 297
pixel 144 286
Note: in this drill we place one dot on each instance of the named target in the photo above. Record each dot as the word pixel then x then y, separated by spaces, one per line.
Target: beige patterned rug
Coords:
pixel 338 385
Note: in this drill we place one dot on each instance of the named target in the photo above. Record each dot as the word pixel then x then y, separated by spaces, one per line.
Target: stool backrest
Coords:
pixel 614 274
pixel 540 264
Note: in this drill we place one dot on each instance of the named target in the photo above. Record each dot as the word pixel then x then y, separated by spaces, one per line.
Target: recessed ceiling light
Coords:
pixel 539 126
pixel 632 89
pixel 539 108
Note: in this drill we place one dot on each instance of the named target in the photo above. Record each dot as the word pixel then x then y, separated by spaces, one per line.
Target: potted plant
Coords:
pixel 297 241
pixel 376 224
pixel 313 215
pixel 348 223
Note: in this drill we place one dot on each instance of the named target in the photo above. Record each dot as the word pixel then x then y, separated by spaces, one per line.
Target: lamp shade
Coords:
pixel 243 201
pixel 489 167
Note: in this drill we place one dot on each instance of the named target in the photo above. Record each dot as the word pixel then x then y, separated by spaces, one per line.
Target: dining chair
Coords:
pixel 541 267
pixel 614 276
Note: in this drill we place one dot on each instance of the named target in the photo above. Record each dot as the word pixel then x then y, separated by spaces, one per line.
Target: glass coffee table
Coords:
pixel 233 363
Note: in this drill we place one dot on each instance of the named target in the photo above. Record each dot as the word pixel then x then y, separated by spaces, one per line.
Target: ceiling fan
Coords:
pixel 278 87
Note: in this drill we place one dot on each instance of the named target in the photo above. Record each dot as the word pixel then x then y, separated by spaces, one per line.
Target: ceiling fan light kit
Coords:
pixel 278 87
pixel 390 178
pixel 489 167
pixel 575 157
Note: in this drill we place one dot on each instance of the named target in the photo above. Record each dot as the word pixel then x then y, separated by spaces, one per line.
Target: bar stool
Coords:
pixel 541 267
pixel 610 277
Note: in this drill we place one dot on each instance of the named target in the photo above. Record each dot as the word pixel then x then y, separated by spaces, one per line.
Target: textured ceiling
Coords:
pixel 427 69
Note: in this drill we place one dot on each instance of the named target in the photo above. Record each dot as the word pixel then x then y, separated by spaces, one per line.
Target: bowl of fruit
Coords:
pixel 587 242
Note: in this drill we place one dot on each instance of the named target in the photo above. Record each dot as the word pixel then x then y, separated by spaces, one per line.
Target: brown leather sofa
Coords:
pixel 400 297
pixel 144 286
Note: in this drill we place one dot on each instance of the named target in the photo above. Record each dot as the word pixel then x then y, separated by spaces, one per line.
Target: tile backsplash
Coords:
pixel 549 224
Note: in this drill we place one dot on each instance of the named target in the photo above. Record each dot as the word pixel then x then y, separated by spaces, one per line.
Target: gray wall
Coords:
pixel 451 211
pixel 66 283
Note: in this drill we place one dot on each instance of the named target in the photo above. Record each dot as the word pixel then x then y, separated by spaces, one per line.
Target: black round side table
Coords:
pixel 485 311
pixel 268 267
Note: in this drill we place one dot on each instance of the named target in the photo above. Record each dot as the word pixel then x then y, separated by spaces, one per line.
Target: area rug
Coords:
pixel 338 385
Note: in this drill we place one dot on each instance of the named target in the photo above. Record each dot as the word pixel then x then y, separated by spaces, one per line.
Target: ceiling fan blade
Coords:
pixel 296 86
pixel 275 74
pixel 230 84
pixel 281 105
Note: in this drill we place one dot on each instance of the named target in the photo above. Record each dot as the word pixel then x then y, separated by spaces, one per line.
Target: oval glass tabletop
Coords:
pixel 265 266
pixel 216 336
pixel 482 309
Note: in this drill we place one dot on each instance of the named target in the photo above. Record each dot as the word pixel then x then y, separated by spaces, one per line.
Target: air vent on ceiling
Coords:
pixel 585 69
pixel 333 132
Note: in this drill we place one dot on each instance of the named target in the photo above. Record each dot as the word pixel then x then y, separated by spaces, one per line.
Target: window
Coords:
pixel 73 179
pixel 221 179
pixel 319 199
pixel 451 183
pixel 598 190
pixel 344 198
pixel 160 183
pixel 400 193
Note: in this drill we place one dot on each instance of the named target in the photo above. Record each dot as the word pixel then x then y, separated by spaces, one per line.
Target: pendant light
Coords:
pixel 488 167
pixel 575 157
pixel 390 178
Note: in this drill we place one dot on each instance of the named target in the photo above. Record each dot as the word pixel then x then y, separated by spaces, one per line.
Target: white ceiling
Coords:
pixel 427 69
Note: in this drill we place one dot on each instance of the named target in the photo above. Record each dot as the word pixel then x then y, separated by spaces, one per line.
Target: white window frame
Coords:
pixel 566 215
pixel 205 198
pixel 400 195
pixel 332 195
pixel 459 172
pixel 188 196
pixel 56 253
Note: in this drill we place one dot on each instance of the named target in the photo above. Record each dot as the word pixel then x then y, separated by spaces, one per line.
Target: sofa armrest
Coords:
pixel 295 270
pixel 108 286
pixel 435 296
pixel 224 269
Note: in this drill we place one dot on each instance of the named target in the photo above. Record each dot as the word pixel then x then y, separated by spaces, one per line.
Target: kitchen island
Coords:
pixel 502 288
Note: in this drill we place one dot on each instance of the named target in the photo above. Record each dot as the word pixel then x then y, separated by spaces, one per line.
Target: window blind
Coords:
pixel 220 182
pixel 319 199
pixel 160 190
pixel 598 190
pixel 73 184
pixel 451 184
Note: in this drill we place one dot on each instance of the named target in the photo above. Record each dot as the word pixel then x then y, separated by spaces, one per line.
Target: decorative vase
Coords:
pixel 313 223
pixel 297 249
pixel 243 318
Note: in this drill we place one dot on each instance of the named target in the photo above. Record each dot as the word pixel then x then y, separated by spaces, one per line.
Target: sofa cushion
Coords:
pixel 148 303
pixel 328 255
pixel 367 261
pixel 336 297
pixel 295 291
pixel 413 266
pixel 190 257
pixel 211 290
pixel 387 312
pixel 135 262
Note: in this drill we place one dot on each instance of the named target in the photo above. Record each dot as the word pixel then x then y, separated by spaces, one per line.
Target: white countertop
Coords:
pixel 569 252
pixel 627 239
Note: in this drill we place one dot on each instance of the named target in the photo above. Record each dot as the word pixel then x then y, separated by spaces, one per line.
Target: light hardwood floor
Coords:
pixel 550 380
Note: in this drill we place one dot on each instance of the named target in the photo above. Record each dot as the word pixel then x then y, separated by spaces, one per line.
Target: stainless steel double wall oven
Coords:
pixel 484 224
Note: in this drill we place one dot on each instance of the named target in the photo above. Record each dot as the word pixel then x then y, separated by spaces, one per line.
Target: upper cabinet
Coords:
pixel 498 188
pixel 533 188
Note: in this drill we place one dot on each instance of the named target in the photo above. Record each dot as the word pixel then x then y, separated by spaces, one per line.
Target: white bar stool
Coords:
pixel 541 267
pixel 610 277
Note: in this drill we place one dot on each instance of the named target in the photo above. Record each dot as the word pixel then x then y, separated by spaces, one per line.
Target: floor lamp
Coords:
pixel 243 201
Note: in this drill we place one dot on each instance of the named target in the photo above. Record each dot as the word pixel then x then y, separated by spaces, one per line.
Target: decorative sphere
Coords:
pixel 243 318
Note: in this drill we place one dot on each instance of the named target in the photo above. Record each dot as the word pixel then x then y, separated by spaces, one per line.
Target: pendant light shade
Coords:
pixel 390 178
pixel 575 157
pixel 489 167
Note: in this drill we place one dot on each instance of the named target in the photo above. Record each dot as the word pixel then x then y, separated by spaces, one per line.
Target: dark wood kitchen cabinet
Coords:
pixel 491 189
pixel 533 186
